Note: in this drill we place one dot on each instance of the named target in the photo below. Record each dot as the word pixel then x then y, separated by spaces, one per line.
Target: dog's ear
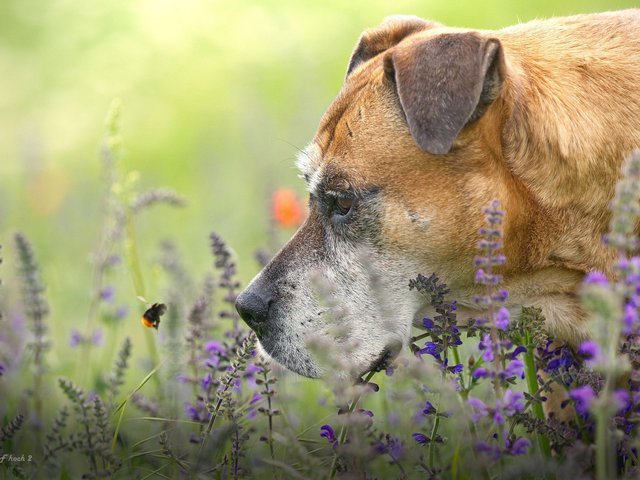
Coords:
pixel 391 32
pixel 444 83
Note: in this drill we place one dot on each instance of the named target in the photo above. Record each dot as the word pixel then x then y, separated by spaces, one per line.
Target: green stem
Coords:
pixel 420 337
pixel 456 359
pixel 138 285
pixel 495 340
pixel 265 376
pixel 434 431
pixel 344 429
pixel 532 384
pixel 463 396
pixel 603 451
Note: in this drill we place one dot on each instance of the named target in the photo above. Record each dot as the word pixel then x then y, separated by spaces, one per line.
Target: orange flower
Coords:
pixel 287 209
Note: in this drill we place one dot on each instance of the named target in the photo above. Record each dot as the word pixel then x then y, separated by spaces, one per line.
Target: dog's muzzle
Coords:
pixel 253 305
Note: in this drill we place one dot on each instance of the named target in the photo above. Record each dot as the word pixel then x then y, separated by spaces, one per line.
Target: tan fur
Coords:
pixel 549 148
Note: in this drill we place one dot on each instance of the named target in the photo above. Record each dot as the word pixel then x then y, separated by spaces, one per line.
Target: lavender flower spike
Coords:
pixel 327 432
pixel 479 408
pixel 583 397
pixel 502 319
pixel 591 352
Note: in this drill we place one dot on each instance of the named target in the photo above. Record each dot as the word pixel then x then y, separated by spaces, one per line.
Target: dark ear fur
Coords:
pixel 444 83
pixel 392 31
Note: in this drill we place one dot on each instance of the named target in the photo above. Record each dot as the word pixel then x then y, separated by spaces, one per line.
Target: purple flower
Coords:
pixel 420 438
pixel 597 278
pixel 498 417
pixel 560 357
pixel 250 374
pixel 96 337
pixel 630 319
pixel 394 447
pixel 498 260
pixel 519 446
pixel 431 348
pixel 517 352
pixel 76 338
pixel 486 345
pixel 391 445
pixel 453 369
pixel 493 214
pixel 429 409
pixel 327 432
pixel 456 368
pixel 107 294
pixel 591 352
pixel 122 312
pixel 214 346
pixel 482 373
pixel 622 399
pixel 237 384
pixel 389 371
pixel 207 381
pixel 366 413
pixel 515 368
pixel 502 318
pixel 483 277
pixel 512 402
pixel 501 296
pixel 427 323
pixel 193 412
pixel 583 398
pixel 479 408
pixel 492 451
pixel 255 398
pixel 212 362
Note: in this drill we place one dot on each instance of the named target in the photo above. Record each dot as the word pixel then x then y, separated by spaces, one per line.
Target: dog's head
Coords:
pixel 397 173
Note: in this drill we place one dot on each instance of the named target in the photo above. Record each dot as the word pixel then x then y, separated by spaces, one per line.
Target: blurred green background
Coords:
pixel 217 96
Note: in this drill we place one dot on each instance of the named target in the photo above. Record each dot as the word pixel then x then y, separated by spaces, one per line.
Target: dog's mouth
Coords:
pixel 301 362
pixel 384 359
pixel 382 362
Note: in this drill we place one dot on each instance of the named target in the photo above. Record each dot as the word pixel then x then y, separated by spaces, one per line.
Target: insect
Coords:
pixel 151 317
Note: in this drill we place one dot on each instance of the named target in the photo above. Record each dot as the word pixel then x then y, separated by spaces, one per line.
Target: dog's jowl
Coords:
pixel 431 124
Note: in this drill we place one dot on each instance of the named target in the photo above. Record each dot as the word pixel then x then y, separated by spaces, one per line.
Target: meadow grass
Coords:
pixel 194 400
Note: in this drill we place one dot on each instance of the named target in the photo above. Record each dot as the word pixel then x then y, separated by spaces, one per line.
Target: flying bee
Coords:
pixel 151 317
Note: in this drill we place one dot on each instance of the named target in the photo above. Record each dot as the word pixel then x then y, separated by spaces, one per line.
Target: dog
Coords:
pixel 431 124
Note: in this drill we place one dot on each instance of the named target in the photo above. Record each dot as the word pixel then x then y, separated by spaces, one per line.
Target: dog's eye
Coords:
pixel 343 205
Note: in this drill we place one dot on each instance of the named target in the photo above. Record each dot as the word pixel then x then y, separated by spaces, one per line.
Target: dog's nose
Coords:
pixel 253 308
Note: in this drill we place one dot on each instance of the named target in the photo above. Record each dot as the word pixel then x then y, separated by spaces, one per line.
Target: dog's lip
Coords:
pixel 384 359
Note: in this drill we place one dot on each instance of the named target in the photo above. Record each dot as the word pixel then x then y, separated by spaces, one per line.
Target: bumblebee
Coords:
pixel 151 317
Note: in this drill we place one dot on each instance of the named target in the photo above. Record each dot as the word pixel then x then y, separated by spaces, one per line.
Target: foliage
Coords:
pixel 86 390
pixel 444 405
